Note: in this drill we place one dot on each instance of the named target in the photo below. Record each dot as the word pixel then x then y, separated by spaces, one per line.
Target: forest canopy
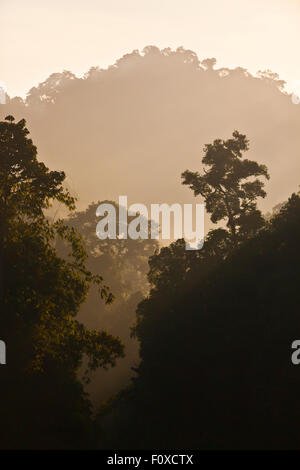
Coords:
pixel 41 294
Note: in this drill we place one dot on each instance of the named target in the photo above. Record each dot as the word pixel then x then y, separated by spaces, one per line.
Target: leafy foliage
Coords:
pixel 225 186
pixel 124 265
pixel 41 292
pixel 216 368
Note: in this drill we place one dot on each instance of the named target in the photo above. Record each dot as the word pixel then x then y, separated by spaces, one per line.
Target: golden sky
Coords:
pixel 39 37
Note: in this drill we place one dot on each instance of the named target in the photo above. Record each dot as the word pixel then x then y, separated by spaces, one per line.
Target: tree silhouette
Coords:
pixel 26 185
pixel 216 369
pixel 40 301
pixel 124 265
pixel 225 186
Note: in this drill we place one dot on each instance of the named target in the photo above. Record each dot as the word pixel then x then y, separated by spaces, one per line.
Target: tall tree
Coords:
pixel 227 188
pixel 216 353
pixel 40 299
pixel 124 265
pixel 26 185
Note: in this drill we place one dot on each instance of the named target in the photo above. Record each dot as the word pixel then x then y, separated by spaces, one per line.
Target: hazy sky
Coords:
pixel 39 37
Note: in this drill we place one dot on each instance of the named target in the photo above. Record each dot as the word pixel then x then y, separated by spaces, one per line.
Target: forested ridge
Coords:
pixel 133 128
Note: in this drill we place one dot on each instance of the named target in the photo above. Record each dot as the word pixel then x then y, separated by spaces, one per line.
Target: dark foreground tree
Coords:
pixel 41 399
pixel 216 370
pixel 230 186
